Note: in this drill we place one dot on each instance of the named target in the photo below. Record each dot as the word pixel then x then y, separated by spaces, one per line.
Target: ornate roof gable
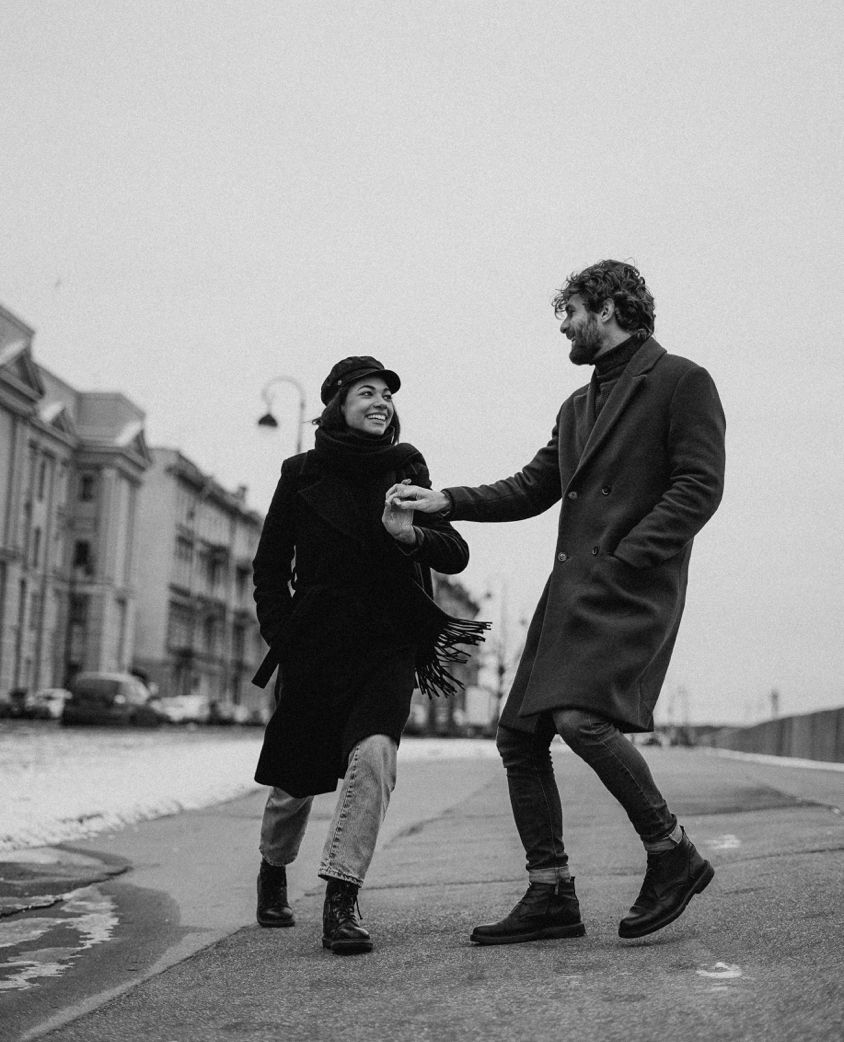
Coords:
pixel 136 442
pixel 57 416
pixel 19 372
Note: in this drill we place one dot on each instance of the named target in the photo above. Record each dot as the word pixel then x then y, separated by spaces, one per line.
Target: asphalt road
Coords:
pixel 759 955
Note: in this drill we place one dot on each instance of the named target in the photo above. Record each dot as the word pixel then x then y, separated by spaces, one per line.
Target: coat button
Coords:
pixel 605 491
pixel 562 557
pixel 594 551
pixel 572 495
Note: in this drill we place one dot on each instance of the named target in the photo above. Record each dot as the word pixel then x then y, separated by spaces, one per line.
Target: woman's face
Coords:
pixel 369 406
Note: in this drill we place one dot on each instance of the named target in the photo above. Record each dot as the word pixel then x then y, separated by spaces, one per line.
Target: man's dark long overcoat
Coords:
pixel 335 597
pixel 637 484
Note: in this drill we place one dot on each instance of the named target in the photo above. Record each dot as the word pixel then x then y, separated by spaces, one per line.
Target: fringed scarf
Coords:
pixel 361 458
pixel 432 675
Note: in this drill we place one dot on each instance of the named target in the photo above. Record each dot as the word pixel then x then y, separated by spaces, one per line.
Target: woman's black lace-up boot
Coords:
pixel 273 909
pixel 342 931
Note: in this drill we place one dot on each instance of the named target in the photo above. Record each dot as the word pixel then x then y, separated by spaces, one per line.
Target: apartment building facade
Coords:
pixel 197 633
pixel 71 463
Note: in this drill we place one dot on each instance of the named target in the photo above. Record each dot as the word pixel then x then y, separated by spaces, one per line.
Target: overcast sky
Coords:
pixel 199 197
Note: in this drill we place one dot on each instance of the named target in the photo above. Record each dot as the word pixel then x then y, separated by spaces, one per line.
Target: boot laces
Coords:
pixel 345 905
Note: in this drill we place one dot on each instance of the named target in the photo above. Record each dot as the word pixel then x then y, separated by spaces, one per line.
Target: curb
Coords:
pixel 43 876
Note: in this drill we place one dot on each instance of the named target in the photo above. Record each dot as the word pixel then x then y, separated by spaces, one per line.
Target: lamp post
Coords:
pixel 501 651
pixel 268 420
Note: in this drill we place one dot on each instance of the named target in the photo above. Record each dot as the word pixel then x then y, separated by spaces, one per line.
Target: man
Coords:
pixel 637 458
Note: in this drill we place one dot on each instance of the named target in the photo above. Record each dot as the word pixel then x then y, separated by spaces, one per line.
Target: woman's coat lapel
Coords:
pixel 329 496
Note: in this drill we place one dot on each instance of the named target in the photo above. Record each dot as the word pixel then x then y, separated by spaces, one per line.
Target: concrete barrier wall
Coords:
pixel 813 736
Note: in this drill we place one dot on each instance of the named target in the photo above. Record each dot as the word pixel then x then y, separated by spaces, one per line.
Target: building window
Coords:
pixel 78 631
pixel 42 478
pixel 214 571
pixel 87 488
pixel 34 609
pixel 179 627
pixel 26 534
pixel 210 633
pixel 82 556
pixel 202 569
pixel 184 558
pixel 61 485
pixel 238 643
pixel 36 547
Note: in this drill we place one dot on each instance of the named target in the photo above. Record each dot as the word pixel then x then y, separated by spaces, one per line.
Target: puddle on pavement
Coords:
pixel 85 917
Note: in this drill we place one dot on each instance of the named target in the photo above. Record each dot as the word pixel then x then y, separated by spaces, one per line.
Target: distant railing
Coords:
pixel 812 736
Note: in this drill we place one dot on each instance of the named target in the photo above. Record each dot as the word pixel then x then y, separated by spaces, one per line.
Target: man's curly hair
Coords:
pixel 616 281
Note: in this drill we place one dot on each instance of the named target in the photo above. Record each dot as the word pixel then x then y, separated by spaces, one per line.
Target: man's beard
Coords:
pixel 586 343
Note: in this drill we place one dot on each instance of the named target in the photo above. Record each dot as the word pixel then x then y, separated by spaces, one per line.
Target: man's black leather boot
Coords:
pixel 546 910
pixel 342 931
pixel 672 879
pixel 273 909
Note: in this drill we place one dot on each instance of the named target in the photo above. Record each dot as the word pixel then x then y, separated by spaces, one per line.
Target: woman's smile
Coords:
pixel 379 418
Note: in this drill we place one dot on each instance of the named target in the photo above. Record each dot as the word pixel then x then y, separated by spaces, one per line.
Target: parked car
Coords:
pixel 118 699
pixel 17 707
pixel 184 709
pixel 259 716
pixel 48 703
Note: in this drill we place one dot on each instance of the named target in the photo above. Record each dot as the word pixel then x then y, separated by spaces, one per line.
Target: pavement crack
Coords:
pixel 437 884
pixel 781 854
pixel 798 801
pixel 419 826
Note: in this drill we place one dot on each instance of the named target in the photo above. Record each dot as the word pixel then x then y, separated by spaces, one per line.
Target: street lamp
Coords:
pixel 268 420
pixel 500 649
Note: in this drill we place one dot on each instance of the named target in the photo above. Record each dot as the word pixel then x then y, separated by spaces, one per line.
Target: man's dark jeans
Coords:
pixel 536 800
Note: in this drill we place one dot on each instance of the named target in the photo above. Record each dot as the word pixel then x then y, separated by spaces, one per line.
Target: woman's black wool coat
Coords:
pixel 331 589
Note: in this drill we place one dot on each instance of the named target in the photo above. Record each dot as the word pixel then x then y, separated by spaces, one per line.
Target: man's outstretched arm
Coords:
pixel 528 493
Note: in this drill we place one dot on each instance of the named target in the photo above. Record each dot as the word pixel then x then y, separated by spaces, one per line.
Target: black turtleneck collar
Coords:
pixel 614 361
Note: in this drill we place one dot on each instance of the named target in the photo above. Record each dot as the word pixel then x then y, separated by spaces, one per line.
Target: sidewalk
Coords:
pixel 180 883
pixel 758 956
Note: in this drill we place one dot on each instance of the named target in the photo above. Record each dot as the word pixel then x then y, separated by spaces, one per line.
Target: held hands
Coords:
pixel 398 520
pixel 407 497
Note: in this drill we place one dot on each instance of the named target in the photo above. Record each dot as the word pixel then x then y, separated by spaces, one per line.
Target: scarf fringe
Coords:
pixel 433 677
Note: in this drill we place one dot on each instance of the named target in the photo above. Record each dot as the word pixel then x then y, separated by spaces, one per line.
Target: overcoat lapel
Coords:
pixel 631 381
pixel 331 498
pixel 584 410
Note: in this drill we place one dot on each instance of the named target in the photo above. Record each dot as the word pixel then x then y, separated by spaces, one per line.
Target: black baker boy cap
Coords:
pixel 356 368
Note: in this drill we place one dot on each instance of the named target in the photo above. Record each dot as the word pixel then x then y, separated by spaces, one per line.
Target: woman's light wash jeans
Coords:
pixel 364 798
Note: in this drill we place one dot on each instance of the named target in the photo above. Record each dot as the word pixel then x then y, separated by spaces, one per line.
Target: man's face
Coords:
pixel 581 328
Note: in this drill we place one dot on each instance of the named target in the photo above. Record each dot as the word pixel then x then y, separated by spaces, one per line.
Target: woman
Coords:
pixel 358 631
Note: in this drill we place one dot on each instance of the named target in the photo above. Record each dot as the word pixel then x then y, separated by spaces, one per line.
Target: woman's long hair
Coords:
pixel 332 418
